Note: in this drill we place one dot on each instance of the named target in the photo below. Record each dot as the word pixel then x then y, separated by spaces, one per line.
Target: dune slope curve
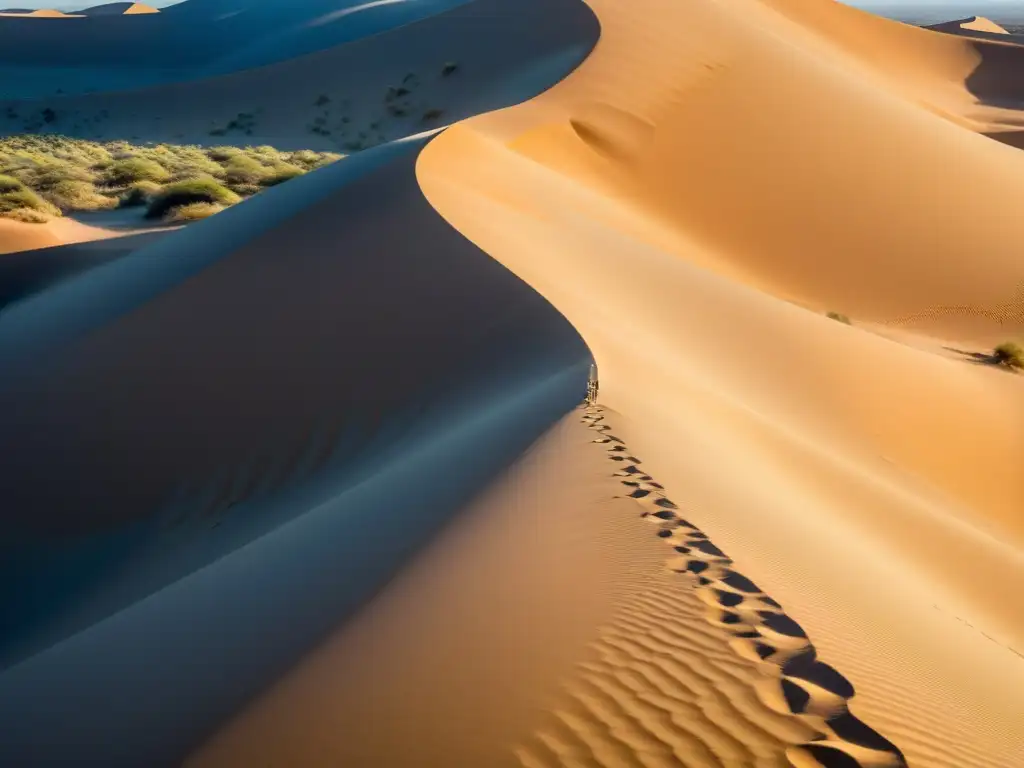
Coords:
pixel 243 408
pixel 694 198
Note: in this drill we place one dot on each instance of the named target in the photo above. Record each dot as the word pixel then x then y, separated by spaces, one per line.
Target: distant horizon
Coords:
pixel 72 5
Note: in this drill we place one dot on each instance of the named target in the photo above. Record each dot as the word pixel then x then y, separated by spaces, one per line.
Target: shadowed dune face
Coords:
pixel 312 379
pixel 193 36
pixel 246 405
pixel 485 38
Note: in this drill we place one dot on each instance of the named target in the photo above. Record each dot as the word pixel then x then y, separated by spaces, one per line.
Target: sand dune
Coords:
pixel 19 236
pixel 778 540
pixel 970 24
pixel 593 638
pixel 266 389
pixel 120 45
pixel 402 88
pixel 118 9
pixel 692 198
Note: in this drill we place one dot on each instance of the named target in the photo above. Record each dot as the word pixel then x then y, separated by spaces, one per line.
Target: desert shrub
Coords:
pixel 132 169
pixel 24 215
pixel 1009 355
pixel 9 184
pixel 449 68
pixel 432 114
pixel 838 317
pixel 244 190
pixel 16 201
pixel 193 212
pixel 220 154
pixel 188 192
pixel 321 100
pixel 282 174
pixel 242 169
pixel 72 195
pixel 139 193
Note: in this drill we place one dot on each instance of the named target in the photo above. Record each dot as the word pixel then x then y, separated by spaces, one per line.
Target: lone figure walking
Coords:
pixel 592 385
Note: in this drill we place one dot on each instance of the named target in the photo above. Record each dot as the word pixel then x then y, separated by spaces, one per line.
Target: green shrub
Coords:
pixel 187 192
pixel 72 195
pixel 132 169
pixel 15 200
pixel 281 175
pixel 139 193
pixel 10 184
pixel 25 215
pixel 1009 355
pixel 242 169
pixel 193 212
pixel 838 317
pixel 245 190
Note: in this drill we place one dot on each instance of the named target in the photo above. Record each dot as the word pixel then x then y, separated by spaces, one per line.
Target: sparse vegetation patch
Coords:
pixel 1009 355
pixel 42 176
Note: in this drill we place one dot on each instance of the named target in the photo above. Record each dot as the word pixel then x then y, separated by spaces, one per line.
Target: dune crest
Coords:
pixel 972 23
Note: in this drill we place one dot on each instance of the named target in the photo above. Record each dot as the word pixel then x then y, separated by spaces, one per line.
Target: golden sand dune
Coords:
pixel 778 540
pixel 971 24
pixel 42 13
pixel 542 629
pixel 693 198
pixel 20 236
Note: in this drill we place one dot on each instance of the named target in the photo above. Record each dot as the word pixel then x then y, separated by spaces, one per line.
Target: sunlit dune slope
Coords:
pixel 694 198
pixel 970 24
pixel 21 236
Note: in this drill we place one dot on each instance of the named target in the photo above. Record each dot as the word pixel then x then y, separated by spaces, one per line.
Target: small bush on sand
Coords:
pixel 193 212
pixel 188 192
pixel 9 184
pixel 244 190
pixel 432 114
pixel 72 195
pixel 133 169
pixel 838 317
pixel 14 203
pixel 449 68
pixel 25 215
pixel 1009 355
pixel 280 177
pixel 242 169
pixel 139 193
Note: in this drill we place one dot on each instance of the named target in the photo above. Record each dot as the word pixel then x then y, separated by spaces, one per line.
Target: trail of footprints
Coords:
pixel 800 684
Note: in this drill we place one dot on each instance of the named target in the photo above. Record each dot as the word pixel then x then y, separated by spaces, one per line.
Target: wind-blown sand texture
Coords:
pixel 310 490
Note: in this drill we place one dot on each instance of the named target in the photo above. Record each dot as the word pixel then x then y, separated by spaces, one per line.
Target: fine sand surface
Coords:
pixel 693 199
pixel 19 236
pixel 25 273
pixel 541 629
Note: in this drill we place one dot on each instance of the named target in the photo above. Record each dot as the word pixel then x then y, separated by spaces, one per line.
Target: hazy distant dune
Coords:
pixel 118 9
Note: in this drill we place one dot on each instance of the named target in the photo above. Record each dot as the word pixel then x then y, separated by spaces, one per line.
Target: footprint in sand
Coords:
pixel 799 684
